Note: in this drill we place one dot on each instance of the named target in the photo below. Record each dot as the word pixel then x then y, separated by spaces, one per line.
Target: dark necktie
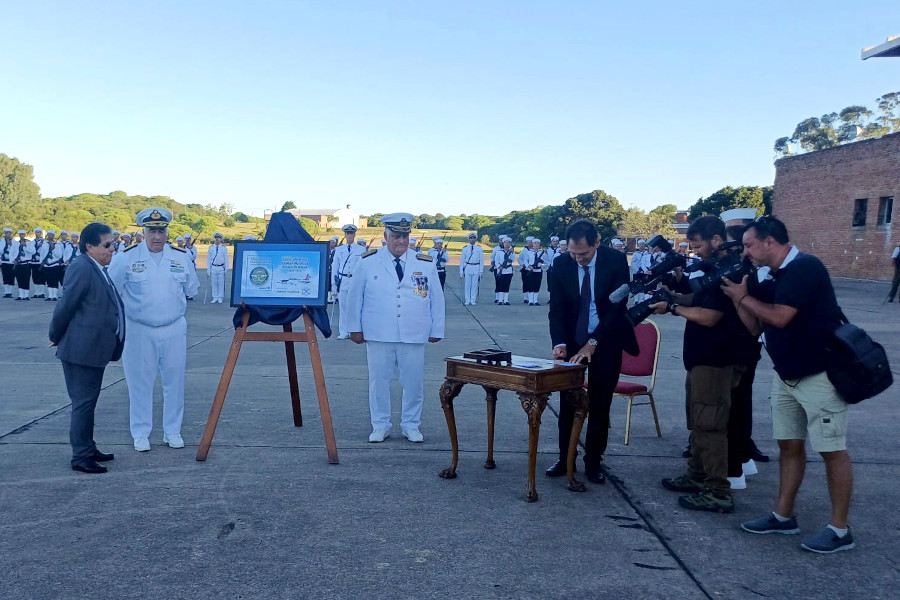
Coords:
pixel 399 268
pixel 584 309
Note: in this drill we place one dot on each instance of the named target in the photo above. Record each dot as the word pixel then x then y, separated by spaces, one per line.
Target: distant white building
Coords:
pixel 329 217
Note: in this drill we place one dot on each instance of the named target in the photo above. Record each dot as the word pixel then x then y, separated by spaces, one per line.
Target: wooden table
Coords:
pixel 533 385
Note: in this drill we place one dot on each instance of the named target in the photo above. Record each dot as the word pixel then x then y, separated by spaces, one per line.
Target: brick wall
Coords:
pixel 815 196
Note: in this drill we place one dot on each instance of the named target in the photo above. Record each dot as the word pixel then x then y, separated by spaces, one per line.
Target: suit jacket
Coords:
pixel 85 320
pixel 614 333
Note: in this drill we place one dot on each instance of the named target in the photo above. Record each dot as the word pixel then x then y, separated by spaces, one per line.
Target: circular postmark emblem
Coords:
pixel 259 275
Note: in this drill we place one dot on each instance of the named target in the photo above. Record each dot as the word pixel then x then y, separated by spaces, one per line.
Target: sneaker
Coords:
pixel 682 483
pixel 749 467
pixel 173 440
pixel 708 501
pixel 343 337
pixel 141 444
pixel 414 435
pixel 827 542
pixel 769 524
pixel 379 435
pixel 738 483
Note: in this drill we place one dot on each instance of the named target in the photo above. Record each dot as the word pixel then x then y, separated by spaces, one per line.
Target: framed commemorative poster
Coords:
pixel 289 274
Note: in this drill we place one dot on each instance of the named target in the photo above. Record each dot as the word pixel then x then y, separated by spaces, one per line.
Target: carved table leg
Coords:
pixel 449 391
pixel 580 399
pixel 491 397
pixel 534 405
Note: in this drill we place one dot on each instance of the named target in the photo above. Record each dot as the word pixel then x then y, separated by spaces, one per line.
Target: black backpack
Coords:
pixel 858 366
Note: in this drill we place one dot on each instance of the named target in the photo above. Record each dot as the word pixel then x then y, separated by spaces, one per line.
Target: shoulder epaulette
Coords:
pixel 368 253
pixel 173 247
pixel 424 257
pixel 130 248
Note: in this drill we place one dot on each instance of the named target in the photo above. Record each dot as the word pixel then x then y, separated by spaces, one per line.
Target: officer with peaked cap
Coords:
pixel 471 266
pixel 440 257
pixel 216 267
pixel 6 262
pixel 342 265
pixel 395 306
pixel 154 278
pixel 332 246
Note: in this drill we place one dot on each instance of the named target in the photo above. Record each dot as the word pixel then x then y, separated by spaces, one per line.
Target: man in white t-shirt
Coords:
pixel 895 257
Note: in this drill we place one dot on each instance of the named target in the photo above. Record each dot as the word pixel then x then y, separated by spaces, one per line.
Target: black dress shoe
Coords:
pixel 557 469
pixel 103 457
pixel 594 474
pixel 755 453
pixel 89 466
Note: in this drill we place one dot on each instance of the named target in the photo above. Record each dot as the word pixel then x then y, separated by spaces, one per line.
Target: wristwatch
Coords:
pixel 592 342
pixel 673 306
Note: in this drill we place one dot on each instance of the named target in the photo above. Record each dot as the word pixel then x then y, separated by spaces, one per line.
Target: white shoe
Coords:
pixel 141 444
pixel 414 435
pixel 173 440
pixel 379 435
pixel 343 337
pixel 749 468
pixel 738 483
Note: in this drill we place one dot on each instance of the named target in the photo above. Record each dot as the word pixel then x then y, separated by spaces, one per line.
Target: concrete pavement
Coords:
pixel 267 517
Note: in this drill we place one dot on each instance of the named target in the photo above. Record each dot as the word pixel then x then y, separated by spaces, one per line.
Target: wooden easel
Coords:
pixel 288 336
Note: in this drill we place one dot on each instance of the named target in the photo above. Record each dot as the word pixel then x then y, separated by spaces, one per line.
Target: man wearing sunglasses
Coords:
pixel 155 278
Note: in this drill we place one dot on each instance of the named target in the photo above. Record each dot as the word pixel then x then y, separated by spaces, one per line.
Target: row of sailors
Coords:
pixel 40 261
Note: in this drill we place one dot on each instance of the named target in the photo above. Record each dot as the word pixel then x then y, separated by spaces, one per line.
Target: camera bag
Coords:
pixel 858 365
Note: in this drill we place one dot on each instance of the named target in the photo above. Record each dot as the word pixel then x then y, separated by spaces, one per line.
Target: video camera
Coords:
pixel 657 274
pixel 727 263
pixel 642 310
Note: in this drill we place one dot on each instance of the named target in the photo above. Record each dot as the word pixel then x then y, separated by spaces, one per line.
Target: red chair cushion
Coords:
pixel 626 387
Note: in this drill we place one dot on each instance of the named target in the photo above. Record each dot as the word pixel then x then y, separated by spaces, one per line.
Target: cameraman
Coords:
pixel 798 313
pixel 712 372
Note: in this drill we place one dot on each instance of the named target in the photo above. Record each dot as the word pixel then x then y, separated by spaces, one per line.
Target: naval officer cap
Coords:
pixel 472 236
pixel 218 235
pixel 400 222
pixel 153 217
pixel 349 227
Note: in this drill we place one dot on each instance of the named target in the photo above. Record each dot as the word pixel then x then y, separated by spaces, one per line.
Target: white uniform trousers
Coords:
pixel 383 358
pixel 150 352
pixel 217 284
pixel 472 288
pixel 342 301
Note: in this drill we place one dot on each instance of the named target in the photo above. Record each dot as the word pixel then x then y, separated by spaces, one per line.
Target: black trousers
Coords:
pixel 895 284
pixel 740 422
pixel 8 270
pixel 603 373
pixel 23 276
pixel 83 384
pixel 53 276
pixel 442 275
pixel 503 282
pixel 37 275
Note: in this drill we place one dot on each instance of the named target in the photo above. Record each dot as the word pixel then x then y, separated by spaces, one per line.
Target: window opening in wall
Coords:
pixel 885 208
pixel 860 205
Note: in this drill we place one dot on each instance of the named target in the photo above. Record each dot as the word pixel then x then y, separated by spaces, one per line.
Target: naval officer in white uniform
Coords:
pixel 216 266
pixel 471 266
pixel 342 265
pixel 154 279
pixel 395 305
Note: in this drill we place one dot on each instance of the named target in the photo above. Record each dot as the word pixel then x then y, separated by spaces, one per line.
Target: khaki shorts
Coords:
pixel 810 406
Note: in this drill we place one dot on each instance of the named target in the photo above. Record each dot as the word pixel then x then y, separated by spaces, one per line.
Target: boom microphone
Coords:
pixel 621 293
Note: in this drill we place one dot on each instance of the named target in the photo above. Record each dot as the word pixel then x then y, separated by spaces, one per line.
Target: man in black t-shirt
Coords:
pixel 798 314
pixel 712 372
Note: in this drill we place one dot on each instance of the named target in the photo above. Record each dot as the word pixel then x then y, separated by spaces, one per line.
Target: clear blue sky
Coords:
pixel 453 107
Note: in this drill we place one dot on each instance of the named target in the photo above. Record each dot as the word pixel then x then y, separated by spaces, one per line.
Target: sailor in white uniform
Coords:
pixel 440 257
pixel 154 280
pixel 395 305
pixel 523 270
pixel 216 266
pixel 471 266
pixel 6 262
pixel 342 265
pixel 496 257
pixel 126 243
pixel 22 252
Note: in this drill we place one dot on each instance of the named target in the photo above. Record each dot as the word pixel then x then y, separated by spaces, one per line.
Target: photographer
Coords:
pixel 712 372
pixel 798 313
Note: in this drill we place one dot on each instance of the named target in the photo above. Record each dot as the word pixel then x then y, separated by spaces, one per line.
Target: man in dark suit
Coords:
pixel 88 331
pixel 586 326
